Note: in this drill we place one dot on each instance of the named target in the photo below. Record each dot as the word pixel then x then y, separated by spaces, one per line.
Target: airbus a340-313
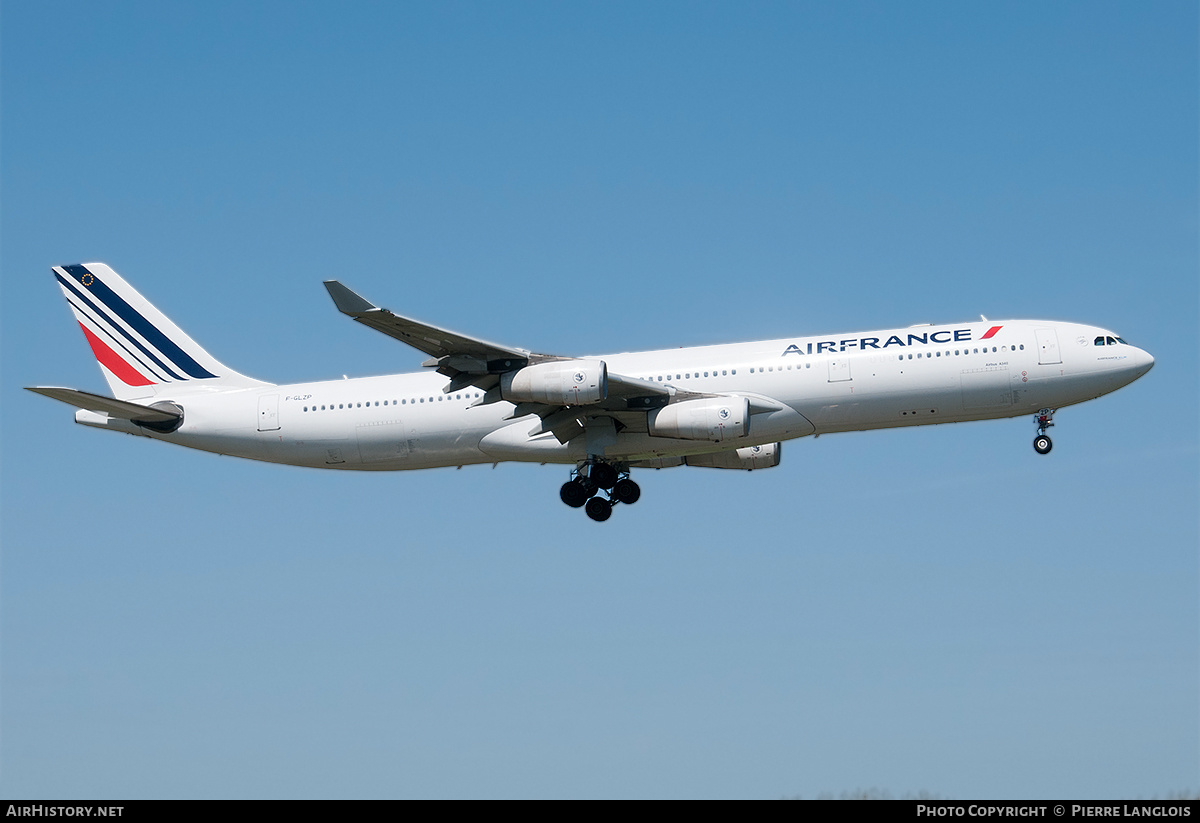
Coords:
pixel 721 407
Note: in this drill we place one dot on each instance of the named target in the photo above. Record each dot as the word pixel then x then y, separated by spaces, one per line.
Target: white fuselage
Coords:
pixel 811 385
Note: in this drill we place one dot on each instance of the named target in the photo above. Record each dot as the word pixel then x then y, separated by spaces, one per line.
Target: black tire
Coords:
pixel 603 475
pixel 1042 444
pixel 626 491
pixel 599 509
pixel 573 494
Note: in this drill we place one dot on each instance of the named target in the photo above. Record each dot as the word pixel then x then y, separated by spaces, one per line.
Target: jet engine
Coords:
pixel 748 458
pixel 559 383
pixel 716 419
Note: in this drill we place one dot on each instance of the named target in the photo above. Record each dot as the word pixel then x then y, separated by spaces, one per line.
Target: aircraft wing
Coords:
pixel 440 343
pixel 469 361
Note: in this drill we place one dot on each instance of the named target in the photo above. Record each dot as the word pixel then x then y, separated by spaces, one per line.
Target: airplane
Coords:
pixel 722 406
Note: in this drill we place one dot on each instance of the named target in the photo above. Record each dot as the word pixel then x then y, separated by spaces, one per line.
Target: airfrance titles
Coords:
pixel 941 337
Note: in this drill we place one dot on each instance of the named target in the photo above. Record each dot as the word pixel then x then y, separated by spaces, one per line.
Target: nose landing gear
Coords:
pixel 594 477
pixel 1044 420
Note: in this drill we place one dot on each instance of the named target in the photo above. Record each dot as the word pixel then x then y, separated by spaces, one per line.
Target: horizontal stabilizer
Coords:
pixel 107 405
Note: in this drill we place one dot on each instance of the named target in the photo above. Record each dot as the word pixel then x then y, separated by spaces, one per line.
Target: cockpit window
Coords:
pixel 1099 341
pixel 1104 340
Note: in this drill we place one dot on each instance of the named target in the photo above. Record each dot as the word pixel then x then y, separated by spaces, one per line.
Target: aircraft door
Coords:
pixel 1047 340
pixel 839 370
pixel 268 413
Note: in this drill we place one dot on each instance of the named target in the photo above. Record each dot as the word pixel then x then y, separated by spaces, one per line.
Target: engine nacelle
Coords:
pixel 716 419
pixel 748 458
pixel 560 383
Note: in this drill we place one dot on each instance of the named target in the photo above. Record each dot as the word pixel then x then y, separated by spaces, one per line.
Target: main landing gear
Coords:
pixel 1044 420
pixel 594 477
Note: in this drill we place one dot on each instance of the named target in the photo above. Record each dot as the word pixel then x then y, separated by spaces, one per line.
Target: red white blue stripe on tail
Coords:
pixel 139 349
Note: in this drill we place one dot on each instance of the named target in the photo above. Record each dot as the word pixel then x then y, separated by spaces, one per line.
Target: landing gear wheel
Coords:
pixel 626 491
pixel 603 475
pixel 574 494
pixel 1044 419
pixel 599 509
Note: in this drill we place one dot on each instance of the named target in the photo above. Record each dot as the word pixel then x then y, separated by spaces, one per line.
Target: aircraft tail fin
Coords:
pixel 140 351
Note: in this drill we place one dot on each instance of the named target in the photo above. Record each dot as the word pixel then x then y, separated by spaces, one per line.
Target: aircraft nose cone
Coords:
pixel 1143 361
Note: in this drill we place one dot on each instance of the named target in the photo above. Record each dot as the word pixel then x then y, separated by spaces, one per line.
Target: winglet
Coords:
pixel 347 301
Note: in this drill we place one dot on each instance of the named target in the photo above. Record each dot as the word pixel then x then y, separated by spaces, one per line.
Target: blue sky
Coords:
pixel 936 610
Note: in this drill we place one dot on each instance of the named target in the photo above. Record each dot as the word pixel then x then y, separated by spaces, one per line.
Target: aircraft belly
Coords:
pixel 514 442
pixel 986 388
pixel 1062 388
pixel 382 440
pixel 879 398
